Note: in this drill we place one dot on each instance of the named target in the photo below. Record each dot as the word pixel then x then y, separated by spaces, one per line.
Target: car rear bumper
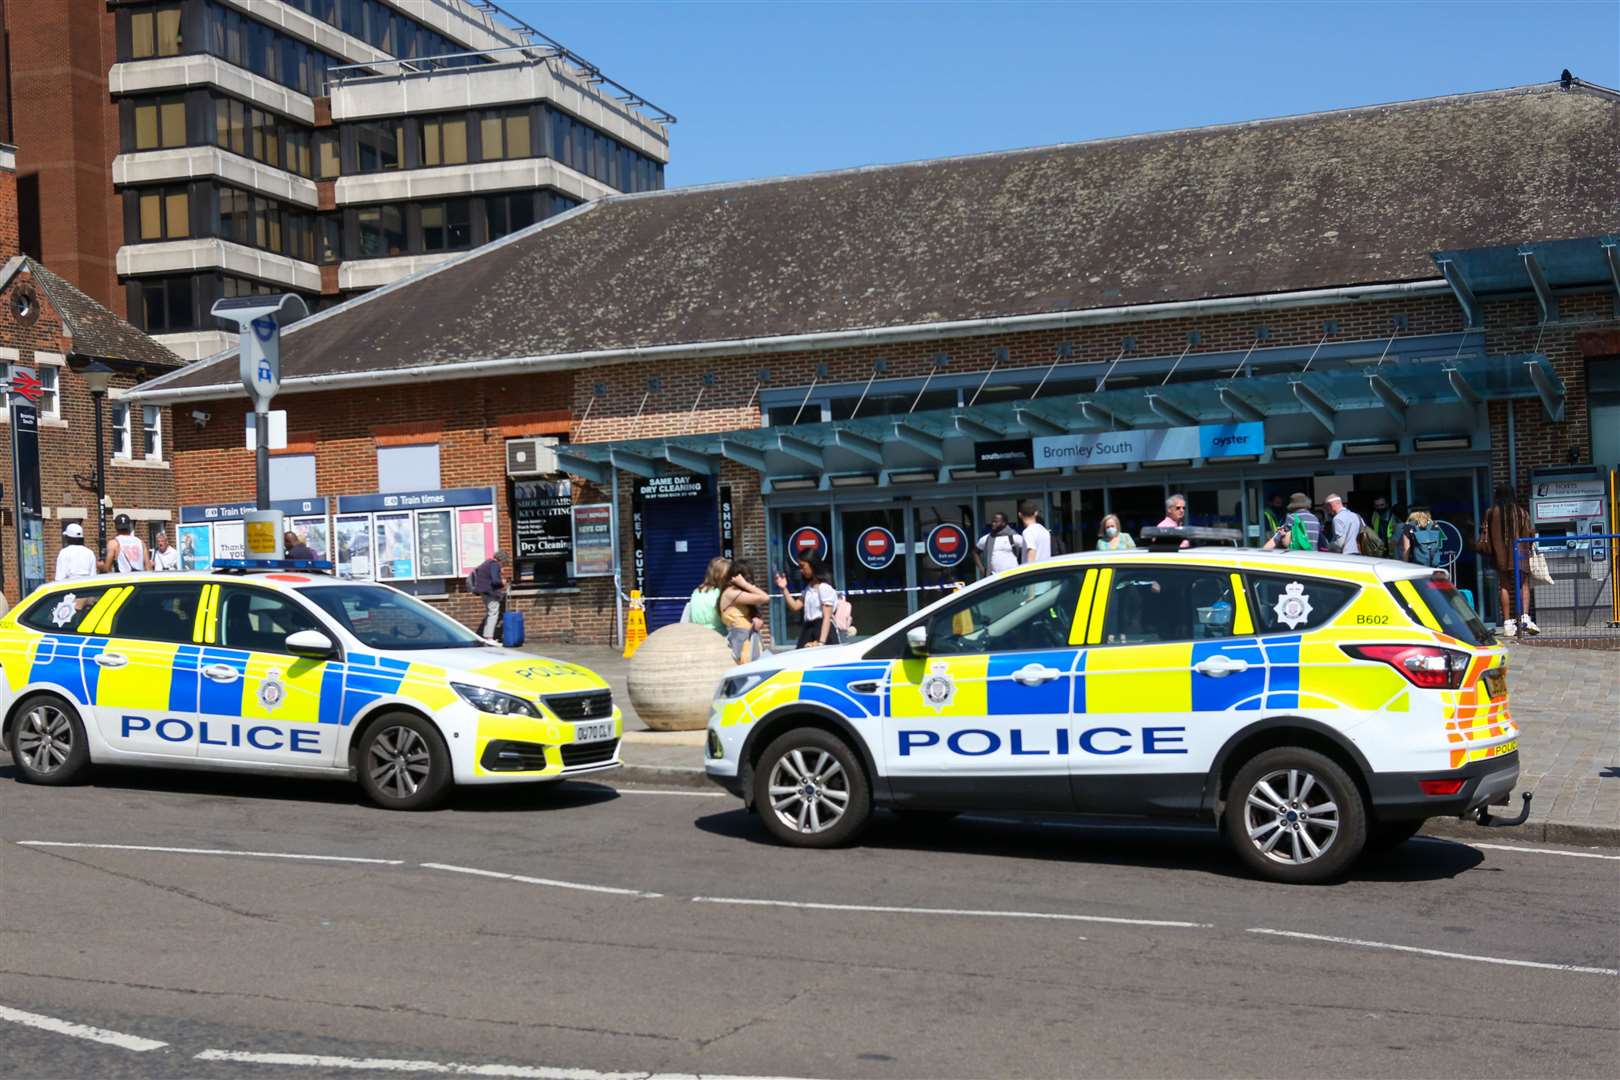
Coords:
pixel 1397 796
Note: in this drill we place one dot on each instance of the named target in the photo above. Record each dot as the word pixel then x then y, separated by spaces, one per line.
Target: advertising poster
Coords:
pixel 351 541
pixel 542 528
pixel 230 540
pixel 312 531
pixel 593 540
pixel 435 544
pixel 196 547
pixel 475 533
pixel 396 546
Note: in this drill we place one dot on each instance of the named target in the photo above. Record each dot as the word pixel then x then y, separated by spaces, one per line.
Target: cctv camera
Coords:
pixel 200 417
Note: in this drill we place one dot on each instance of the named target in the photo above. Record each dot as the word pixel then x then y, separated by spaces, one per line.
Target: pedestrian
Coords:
pixel 295 548
pixel 818 601
pixel 740 600
pixel 1420 541
pixel 1385 523
pixel 165 556
pixel 75 560
pixel 1506 522
pixel 1111 537
pixel 1000 548
pixel 1276 513
pixel 1300 530
pixel 487 581
pixel 1037 537
pixel 1175 515
pixel 1346 527
pixel 703 606
pixel 125 553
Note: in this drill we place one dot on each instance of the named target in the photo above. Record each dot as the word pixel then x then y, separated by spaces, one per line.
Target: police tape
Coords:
pixel 947 587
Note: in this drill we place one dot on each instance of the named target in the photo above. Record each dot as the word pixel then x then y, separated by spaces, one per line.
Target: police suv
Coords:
pixel 1313 705
pixel 275 667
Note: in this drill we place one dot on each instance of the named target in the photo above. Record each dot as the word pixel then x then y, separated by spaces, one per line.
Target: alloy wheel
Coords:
pixel 809 790
pixel 45 739
pixel 399 761
pixel 1284 822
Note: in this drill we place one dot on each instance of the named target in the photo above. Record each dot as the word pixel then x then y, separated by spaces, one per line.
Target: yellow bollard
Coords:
pixel 635 627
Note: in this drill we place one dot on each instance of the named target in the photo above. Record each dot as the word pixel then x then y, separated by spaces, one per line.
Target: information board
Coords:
pixel 351 543
pixel 230 540
pixel 394 545
pixel 593 540
pixel 435 544
pixel 542 529
pixel 475 537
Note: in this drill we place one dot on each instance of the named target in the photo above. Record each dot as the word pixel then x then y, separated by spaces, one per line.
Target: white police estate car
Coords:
pixel 280 668
pixel 1315 705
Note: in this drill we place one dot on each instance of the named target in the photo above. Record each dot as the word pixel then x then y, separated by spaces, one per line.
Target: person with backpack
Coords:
pixel 1000 548
pixel 819 603
pixel 1420 541
pixel 486 582
pixel 1300 530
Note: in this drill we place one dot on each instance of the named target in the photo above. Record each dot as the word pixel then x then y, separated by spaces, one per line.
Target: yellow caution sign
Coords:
pixel 635 627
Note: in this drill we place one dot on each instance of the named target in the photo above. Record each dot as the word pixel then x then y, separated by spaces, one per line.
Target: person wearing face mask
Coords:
pixel 1110 537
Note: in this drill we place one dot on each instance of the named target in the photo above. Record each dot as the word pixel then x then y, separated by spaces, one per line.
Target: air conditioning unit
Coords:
pixel 531 457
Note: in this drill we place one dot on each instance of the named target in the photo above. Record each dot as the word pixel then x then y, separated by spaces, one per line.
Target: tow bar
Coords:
pixel 1484 815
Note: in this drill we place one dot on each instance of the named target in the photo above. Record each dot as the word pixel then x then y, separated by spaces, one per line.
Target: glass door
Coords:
pixel 1076 519
pixel 942 535
pixel 1137 507
pixel 871 566
pixel 1452 499
pixel 799 532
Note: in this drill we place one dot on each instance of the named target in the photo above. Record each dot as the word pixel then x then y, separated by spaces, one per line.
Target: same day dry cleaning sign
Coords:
pixel 1150 444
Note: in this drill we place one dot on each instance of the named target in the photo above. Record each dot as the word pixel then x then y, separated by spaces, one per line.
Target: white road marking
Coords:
pixel 214 851
pixel 1574 968
pixel 888 910
pixel 406 1065
pixel 1521 849
pixel 549 882
pixel 80 1031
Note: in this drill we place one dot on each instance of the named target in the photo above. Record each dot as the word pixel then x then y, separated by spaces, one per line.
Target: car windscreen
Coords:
pixel 384 619
pixel 1450 609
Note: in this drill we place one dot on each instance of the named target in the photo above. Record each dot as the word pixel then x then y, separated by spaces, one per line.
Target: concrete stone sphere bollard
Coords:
pixel 673 676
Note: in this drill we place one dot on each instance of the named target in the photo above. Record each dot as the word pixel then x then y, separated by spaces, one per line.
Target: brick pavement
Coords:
pixel 1567 703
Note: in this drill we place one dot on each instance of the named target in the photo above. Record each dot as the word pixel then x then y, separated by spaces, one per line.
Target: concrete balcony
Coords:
pixel 156 166
pixel 174 72
pixel 185 256
pixel 490 176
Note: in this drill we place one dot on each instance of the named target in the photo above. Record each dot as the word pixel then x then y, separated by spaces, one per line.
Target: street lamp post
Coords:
pixel 99 377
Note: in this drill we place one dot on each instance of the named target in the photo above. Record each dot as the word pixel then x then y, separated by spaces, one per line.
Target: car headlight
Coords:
pixel 493 701
pixel 738 685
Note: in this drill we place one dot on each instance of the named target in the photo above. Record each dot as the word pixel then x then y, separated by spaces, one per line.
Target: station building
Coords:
pixel 1413 301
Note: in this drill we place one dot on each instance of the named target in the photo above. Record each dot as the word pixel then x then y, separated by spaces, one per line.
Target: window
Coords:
pixel 166 304
pixel 446 226
pixel 381 230
pixel 1150 604
pixel 505 134
pixel 164 214
pixel 1035 612
pixel 160 123
pixel 292 476
pixel 159 613
pixel 155 32
pixel 259 621
pixel 331 238
pixel 508 213
pixel 377 146
pixel 407 468
pixel 230 125
pixel 50 397
pixel 152 432
pixel 120 430
pixel 1449 608
pixel 56 614
pixel 327 155
pixel 1324 598
pixel 1603 404
pixel 444 140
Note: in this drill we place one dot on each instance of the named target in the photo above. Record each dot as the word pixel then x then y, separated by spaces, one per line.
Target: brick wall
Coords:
pixel 67 448
pixel 8 215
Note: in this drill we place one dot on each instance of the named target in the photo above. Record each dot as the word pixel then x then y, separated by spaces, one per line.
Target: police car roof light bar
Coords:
pixel 239 566
pixel 1169 538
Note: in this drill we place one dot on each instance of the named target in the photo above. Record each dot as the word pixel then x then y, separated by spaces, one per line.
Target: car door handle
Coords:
pixel 221 673
pixel 1035 674
pixel 111 659
pixel 1219 666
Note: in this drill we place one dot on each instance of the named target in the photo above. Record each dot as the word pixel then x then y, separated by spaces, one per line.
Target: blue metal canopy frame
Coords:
pixel 915 443
pixel 1541 268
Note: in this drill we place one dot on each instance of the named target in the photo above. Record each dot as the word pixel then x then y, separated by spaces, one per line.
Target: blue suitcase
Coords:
pixel 512 629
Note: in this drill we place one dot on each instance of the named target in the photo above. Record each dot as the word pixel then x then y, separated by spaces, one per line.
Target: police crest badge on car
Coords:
pixel 938 689
pixel 1293 606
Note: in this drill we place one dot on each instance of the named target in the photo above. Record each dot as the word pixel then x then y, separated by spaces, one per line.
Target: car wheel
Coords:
pixel 811 789
pixel 1295 816
pixel 1387 835
pixel 404 764
pixel 47 741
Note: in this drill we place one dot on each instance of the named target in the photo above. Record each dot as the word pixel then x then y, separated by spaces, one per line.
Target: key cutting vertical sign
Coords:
pixel 24 392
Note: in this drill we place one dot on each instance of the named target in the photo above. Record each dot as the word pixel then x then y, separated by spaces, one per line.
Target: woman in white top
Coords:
pixel 819 600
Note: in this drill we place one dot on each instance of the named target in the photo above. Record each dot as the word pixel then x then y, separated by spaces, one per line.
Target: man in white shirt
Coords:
pixel 75 560
pixel 1346 527
pixel 165 556
pixel 1037 538
pixel 1001 548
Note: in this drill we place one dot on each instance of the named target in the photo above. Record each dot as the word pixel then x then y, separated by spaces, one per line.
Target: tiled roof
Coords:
pixel 1331 199
pixel 95 330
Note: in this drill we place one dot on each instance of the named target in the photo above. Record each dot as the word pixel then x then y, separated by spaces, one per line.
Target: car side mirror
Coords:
pixel 917 640
pixel 311 644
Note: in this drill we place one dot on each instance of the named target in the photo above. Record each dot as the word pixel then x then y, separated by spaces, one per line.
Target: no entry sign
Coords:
pixel 807 542
pixel 875 548
pixel 948 544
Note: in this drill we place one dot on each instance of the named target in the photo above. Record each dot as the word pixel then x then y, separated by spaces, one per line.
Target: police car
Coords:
pixel 1313 705
pixel 275 667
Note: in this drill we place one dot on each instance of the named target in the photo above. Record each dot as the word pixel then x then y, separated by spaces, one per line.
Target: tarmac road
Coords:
pixel 979 948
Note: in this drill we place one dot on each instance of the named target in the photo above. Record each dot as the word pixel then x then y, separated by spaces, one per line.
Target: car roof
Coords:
pixel 1326 562
pixel 274 579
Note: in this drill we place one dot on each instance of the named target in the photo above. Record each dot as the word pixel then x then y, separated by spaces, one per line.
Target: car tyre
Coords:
pixel 404 763
pixel 811 789
pixel 47 741
pixel 1295 816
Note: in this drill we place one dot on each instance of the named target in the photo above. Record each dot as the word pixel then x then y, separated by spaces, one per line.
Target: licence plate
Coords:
pixel 602 729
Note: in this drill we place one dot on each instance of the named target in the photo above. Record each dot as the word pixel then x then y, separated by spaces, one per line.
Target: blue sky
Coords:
pixel 767 89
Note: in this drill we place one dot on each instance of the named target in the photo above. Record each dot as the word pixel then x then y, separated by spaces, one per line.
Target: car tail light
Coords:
pixel 1427 666
pixel 1442 787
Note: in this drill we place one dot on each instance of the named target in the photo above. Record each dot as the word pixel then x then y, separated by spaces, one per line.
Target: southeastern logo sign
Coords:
pixel 875 548
pixel 948 544
pixel 807 542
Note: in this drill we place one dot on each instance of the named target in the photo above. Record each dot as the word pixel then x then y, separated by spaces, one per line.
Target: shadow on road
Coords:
pixel 1150 845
